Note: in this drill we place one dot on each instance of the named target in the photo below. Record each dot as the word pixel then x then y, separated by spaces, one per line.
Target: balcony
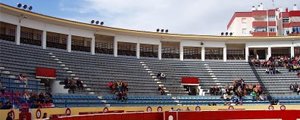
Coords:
pixel 263 34
pixel 286 25
pixel 294 34
pixel 258 13
pixel 294 24
pixel 263 23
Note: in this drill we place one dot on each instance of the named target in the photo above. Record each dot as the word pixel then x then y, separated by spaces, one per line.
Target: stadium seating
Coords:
pixel 15 85
pixel 97 70
pixel 278 84
pixel 76 100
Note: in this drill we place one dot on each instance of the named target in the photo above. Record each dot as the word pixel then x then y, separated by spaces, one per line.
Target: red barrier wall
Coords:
pixel 203 115
pixel 220 115
pixel 117 116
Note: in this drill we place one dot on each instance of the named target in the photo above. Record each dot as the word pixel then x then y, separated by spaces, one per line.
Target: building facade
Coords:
pixel 260 22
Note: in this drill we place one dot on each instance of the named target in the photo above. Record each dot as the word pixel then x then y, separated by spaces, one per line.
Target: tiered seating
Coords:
pixel 223 73
pixel 140 101
pixel 17 59
pixel 278 84
pixel 205 100
pixel 15 85
pixel 97 70
pixel 288 99
pixel 174 70
pixel 76 100
pixel 212 73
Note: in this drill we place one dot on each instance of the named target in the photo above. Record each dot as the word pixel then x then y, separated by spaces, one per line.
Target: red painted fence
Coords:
pixel 202 115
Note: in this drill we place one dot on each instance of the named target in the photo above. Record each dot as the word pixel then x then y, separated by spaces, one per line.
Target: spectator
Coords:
pixel 46 84
pixel 120 89
pixel 254 95
pixel 1 104
pixel 161 90
pixel 172 109
pixel 9 116
pixel 41 98
pixel 125 85
pixel 158 75
pixel 161 76
pixel 124 96
pixel 110 85
pixel 2 89
pixel 26 96
pixel 7 105
pixel 72 85
pixel 262 97
pixel 294 87
pixel 44 116
pixel 67 83
pixel 79 84
pixel 23 78
pixel 188 109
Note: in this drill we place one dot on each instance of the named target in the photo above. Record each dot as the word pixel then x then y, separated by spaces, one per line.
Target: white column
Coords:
pixel 44 40
pixel 269 53
pixel 93 45
pixel 18 34
pixel 181 51
pixel 225 53
pixel 246 53
pixel 138 50
pixel 292 51
pixel 159 51
pixel 203 53
pixel 115 48
pixel 69 43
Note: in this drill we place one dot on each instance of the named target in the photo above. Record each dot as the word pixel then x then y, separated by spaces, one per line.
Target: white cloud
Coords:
pixel 179 16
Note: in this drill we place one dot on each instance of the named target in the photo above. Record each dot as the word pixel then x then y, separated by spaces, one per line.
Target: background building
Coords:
pixel 263 22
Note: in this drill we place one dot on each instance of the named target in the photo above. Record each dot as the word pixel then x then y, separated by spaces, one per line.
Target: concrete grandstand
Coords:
pixel 123 70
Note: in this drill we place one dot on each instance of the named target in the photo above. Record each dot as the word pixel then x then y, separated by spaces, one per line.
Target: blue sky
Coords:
pixel 179 16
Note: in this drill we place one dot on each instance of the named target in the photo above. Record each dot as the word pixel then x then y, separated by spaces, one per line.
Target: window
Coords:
pixel 244 20
pixel 260 29
pixel 296 29
pixel 272 30
pixel 244 31
pixel 272 18
pixel 285 20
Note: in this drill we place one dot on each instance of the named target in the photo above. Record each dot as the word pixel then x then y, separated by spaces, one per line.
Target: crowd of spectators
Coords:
pixel 278 61
pixel 10 100
pixel 73 84
pixel 120 89
pixel 292 64
pixel 234 92
pixel 295 88
pixel 272 63
pixel 216 90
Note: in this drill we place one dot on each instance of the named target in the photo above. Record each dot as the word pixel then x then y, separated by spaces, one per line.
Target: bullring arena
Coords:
pixel 53 68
